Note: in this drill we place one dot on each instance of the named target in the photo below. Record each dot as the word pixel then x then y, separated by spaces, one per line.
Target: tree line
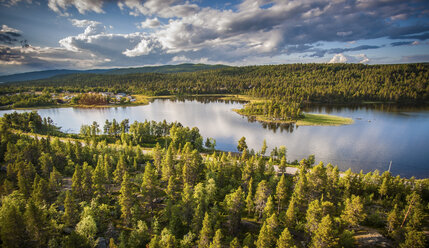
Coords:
pixel 287 86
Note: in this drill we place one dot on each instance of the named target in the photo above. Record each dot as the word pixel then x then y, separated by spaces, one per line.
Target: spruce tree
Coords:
pixel 281 193
pixel 70 210
pixel 285 240
pixel 126 199
pixel 217 239
pixel 325 235
pixel 205 233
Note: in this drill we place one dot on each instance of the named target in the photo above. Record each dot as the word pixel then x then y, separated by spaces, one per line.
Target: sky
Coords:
pixel 88 34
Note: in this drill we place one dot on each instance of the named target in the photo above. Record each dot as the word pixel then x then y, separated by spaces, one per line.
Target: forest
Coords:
pixel 286 88
pixel 157 184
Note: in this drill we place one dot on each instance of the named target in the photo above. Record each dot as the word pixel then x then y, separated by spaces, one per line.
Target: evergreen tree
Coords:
pixel 167 239
pixel 217 239
pixel 36 225
pixel 269 207
pixel 12 228
pixel 261 196
pixel 325 235
pixel 87 228
pixel 149 187
pixel 167 164
pixel 205 233
pixel 87 181
pixel 242 146
pixel 285 240
pixel 120 170
pixel 250 206
pixel 235 243
pixel 281 193
pixel 126 199
pixel 265 238
pixel 70 210
pixel 235 206
pixel 414 239
pixel 264 147
pixel 77 182
pixel 99 178
pixel 353 212
pixel 139 236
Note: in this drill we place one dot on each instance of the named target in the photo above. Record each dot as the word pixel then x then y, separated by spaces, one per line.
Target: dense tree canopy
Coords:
pixel 107 189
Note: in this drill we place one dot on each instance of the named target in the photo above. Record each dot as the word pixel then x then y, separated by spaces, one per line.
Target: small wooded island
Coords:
pixel 159 184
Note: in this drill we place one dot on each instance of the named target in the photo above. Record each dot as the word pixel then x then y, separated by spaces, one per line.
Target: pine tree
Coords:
pixel 187 203
pixel 167 165
pixel 87 181
pixel 12 231
pixel 414 239
pixel 353 212
pixel 149 187
pixel 139 236
pixel 77 182
pixel 126 199
pixel 261 195
pixel 40 191
pixel 120 170
pixel 313 217
pixel 325 235
pixel 235 243
pixel 87 228
pixel 167 239
pixel 264 147
pixel 291 216
pixel 55 179
pixel 281 193
pixel 282 166
pixel 265 239
pixel 235 205
pixel 269 207
pixel 36 225
pixel 70 210
pixel 250 206
pixel 268 232
pixel 217 239
pixel 205 233
pixel 98 178
pixel 285 240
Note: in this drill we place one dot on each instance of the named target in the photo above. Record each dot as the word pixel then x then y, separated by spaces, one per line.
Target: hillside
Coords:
pixel 35 75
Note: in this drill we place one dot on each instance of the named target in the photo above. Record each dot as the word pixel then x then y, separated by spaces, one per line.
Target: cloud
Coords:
pixel 145 46
pixel 150 23
pixel 9 35
pixel 164 8
pixel 6 29
pixel 180 30
pixel 342 58
pixel 9 3
pixel 83 6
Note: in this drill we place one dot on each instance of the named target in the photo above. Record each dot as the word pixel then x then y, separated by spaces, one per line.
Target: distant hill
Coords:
pixel 115 71
pixel 165 69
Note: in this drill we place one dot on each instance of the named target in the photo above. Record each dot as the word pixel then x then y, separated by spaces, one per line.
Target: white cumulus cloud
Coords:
pixel 343 58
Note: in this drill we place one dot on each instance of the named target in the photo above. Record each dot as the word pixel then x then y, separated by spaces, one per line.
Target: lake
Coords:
pixel 380 133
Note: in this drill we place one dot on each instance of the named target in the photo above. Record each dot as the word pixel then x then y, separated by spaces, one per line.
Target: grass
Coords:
pixel 323 120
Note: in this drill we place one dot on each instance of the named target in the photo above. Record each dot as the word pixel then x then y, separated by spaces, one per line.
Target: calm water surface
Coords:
pixel 377 137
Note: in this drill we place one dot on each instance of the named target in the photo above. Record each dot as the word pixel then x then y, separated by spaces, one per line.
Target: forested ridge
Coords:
pixel 287 87
pixel 312 82
pixel 102 188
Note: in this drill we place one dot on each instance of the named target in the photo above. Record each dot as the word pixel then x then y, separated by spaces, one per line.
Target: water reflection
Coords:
pixel 380 133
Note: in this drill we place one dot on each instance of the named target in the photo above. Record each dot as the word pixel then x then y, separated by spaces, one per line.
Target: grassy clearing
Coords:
pixel 323 120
